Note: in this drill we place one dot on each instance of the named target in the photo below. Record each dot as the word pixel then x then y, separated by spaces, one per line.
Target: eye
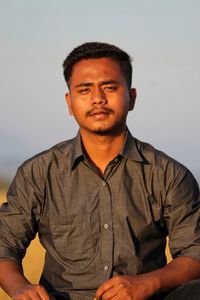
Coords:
pixel 111 88
pixel 84 91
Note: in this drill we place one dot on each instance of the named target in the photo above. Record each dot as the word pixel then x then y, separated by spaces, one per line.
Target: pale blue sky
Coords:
pixel 162 36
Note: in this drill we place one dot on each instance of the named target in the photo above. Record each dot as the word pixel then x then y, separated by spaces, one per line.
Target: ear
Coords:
pixel 133 95
pixel 68 100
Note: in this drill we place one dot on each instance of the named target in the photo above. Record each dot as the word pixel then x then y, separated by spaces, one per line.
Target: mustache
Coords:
pixel 97 110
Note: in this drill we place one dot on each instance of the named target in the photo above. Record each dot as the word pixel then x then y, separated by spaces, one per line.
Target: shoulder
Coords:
pixel 48 161
pixel 156 157
pixel 57 151
pixel 163 167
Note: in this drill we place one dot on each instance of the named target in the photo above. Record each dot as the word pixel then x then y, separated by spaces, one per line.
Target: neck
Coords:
pixel 101 149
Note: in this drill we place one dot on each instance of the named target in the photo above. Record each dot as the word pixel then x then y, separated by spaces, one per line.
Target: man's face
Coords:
pixel 99 97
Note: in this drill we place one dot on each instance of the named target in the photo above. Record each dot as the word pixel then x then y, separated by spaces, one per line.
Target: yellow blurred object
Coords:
pixel 34 260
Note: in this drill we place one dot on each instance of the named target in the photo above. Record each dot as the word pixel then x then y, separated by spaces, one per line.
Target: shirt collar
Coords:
pixel 77 151
pixel 130 150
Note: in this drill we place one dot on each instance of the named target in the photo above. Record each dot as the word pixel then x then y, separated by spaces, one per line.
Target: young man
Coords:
pixel 103 202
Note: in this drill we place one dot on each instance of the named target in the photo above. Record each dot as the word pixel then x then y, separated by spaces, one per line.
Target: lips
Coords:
pixel 99 112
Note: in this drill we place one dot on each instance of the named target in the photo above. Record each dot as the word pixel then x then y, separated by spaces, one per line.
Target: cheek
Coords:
pixel 78 110
pixel 122 104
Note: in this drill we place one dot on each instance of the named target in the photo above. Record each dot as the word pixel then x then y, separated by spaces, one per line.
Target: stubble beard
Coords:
pixel 113 130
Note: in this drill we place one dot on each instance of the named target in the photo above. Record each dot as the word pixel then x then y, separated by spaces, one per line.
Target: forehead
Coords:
pixel 94 68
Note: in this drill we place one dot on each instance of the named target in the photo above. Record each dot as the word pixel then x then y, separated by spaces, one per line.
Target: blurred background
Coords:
pixel 163 39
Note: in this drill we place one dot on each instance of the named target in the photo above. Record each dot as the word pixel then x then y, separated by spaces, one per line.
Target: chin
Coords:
pixel 102 132
pixel 108 131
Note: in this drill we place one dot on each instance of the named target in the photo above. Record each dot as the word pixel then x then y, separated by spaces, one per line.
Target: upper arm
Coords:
pixel 182 215
pixel 17 218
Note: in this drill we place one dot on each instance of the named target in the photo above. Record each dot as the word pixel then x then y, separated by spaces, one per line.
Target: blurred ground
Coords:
pixel 33 261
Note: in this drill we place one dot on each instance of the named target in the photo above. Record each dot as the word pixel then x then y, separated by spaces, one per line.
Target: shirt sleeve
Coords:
pixel 182 215
pixel 18 224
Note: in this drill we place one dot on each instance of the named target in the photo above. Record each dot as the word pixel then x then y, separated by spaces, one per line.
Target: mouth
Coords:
pixel 99 113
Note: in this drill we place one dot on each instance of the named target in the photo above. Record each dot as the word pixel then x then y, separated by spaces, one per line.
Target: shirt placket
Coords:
pixel 106 228
pixel 106 217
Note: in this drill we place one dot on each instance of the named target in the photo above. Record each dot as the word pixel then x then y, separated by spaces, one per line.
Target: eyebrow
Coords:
pixel 82 84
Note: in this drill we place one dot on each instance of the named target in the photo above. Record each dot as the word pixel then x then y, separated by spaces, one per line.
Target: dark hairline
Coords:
pixel 97 50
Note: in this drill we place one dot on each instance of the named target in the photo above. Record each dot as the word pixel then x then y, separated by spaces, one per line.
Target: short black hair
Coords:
pixel 94 50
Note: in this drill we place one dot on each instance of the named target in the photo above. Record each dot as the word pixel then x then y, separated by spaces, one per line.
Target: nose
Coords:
pixel 98 97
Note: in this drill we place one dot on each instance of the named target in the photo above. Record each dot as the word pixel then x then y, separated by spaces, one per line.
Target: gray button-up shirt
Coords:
pixel 94 227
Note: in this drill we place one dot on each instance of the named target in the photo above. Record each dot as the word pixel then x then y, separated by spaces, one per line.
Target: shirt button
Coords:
pixel 103 183
pixel 106 268
pixel 106 226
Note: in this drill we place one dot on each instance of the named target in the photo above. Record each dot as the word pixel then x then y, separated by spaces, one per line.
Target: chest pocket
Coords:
pixel 71 237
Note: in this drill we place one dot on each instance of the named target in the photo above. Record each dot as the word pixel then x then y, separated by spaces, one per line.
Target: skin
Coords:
pixel 100 100
pixel 141 287
pixel 17 286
